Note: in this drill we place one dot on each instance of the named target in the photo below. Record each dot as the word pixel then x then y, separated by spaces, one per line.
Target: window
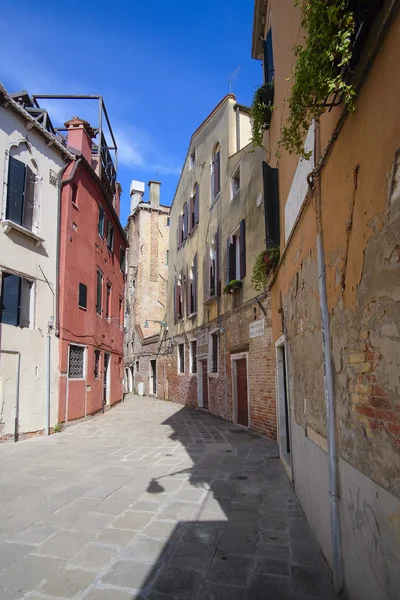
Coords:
pixel 20 193
pixel 121 312
pixel 236 254
pixel 178 298
pixel 214 352
pixel 213 270
pixel 271 205
pixel 76 362
pixel 192 159
pixel 82 300
pixel 15 304
pixel 194 208
pixel 181 358
pixel 168 221
pixel 166 258
pixel 74 193
pixel 110 236
pixel 216 173
pixel 137 366
pixel 97 357
pixel 191 291
pixel 99 291
pixel 122 258
pixel 100 225
pixel 235 182
pixel 108 299
pixel 269 70
pixel 193 356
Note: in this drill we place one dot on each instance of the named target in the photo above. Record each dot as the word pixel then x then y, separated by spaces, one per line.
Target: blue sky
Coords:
pixel 160 66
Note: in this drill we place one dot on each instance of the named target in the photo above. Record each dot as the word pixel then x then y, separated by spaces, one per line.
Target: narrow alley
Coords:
pixel 152 500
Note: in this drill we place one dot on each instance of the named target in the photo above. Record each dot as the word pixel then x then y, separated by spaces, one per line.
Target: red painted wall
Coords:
pixel 82 251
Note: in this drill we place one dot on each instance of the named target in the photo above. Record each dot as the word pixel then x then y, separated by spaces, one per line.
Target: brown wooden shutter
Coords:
pixel 196 205
pixel 195 282
pixel 206 276
pixel 242 242
pixel 185 221
pixel 218 262
pixel 227 271
pixel 180 227
pixel 217 185
pixel 175 300
pixel 191 210
pixel 187 292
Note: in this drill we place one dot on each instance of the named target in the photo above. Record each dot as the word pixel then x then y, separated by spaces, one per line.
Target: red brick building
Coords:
pixel 91 279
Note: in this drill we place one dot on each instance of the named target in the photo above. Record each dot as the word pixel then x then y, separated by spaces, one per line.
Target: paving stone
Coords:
pixel 11 594
pixel 132 520
pixel 28 573
pixel 238 540
pixel 164 529
pixel 67 583
pixel 270 588
pixel 92 522
pixel 129 574
pixel 145 550
pixel 230 570
pixel 116 537
pixel 204 533
pixel 178 511
pixel 272 566
pixel 64 544
pixel 36 534
pixel 152 507
pixel 223 592
pixel 274 551
pixel 195 495
pixel 178 582
pixel 192 556
pixel 306 553
pixel 11 553
pixel 107 594
pixel 309 580
pixel 94 557
pixel 113 505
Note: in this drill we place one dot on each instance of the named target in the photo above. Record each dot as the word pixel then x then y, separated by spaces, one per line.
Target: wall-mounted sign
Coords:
pixel 256 328
pixel 53 178
pixel 202 338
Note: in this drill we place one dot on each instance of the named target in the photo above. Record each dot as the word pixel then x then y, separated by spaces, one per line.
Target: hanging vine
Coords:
pixel 319 69
pixel 260 113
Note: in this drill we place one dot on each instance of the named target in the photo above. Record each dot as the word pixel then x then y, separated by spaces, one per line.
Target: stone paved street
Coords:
pixel 153 501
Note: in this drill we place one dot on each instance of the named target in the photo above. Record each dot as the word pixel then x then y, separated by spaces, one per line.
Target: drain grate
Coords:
pixel 228 451
pixel 168 455
pixel 241 477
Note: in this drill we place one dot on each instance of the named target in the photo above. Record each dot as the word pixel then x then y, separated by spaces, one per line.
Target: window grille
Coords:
pixel 75 367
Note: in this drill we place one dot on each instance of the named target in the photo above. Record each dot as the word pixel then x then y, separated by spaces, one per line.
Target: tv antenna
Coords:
pixel 232 77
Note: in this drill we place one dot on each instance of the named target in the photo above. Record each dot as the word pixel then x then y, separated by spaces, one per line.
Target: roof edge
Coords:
pixel 259 22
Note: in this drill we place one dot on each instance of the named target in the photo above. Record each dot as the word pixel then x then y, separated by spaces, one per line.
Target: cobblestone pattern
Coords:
pixel 153 501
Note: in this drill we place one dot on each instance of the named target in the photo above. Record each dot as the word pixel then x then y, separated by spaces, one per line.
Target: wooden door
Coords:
pixel 105 378
pixel 242 400
pixel 204 371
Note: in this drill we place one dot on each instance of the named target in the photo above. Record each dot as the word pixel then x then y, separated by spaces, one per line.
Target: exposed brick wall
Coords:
pixel 182 388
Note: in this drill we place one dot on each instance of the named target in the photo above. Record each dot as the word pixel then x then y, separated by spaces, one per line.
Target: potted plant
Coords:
pixel 264 265
pixel 261 111
pixel 233 286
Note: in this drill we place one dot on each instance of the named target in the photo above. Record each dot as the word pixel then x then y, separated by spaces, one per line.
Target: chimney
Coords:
pixel 80 136
pixel 136 193
pixel 154 193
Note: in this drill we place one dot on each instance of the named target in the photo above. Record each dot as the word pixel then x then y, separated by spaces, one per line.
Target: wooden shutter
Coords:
pixel 271 205
pixel 99 290
pixel 101 221
pixel 10 299
pixel 242 242
pixel 82 299
pixel 195 282
pixel 25 303
pixel 15 190
pixel 218 262
pixel 268 58
pixel 196 205
pixel 175 301
pixel 29 199
pixel 232 258
pixel 191 211
pixel 187 292
pixel 206 276
pixel 185 221
pixel 228 270
pixel 180 231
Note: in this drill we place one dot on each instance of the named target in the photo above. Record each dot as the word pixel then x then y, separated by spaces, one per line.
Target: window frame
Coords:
pixel 214 334
pixel 30 316
pixel 101 222
pixel 80 288
pixel 108 300
pixel 235 177
pixel 99 292
pixel 215 163
pixel 192 358
pixel 181 359
pixel 84 362
pixel 97 363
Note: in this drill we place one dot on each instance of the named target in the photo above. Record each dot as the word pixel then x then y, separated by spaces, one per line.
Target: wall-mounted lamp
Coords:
pixel 162 323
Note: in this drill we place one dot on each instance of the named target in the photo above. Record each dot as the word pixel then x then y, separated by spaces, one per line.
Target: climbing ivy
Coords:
pixel 318 72
pixel 260 113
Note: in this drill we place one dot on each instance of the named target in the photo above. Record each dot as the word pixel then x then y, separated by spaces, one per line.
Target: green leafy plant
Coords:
pixel 234 284
pixel 319 69
pixel 264 264
pixel 58 428
pixel 260 112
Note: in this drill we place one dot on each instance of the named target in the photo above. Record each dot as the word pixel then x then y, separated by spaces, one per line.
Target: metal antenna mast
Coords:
pixel 232 77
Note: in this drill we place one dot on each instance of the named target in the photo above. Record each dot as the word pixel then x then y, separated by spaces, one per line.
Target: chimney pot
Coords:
pixel 136 192
pixel 80 135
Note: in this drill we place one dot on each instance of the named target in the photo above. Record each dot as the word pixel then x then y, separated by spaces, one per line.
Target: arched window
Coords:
pixel 215 172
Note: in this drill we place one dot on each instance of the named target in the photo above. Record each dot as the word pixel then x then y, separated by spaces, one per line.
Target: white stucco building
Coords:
pixel 30 163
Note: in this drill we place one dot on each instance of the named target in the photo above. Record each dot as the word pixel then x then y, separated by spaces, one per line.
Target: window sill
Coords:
pixel 193 314
pixel 82 308
pixel 76 207
pixel 236 195
pixel 193 230
pixel 212 374
pixel 211 300
pixel 10 225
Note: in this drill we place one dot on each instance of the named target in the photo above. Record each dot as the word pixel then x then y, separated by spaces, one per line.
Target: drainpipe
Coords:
pixel 16 418
pixel 223 330
pixel 48 349
pixel 333 468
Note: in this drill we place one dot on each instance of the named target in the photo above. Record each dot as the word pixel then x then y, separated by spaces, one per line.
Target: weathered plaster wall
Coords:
pixel 19 254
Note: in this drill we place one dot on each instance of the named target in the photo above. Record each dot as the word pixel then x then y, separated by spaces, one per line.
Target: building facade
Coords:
pixel 31 163
pixel 218 352
pixel 146 290
pixel 91 279
pixel 335 299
